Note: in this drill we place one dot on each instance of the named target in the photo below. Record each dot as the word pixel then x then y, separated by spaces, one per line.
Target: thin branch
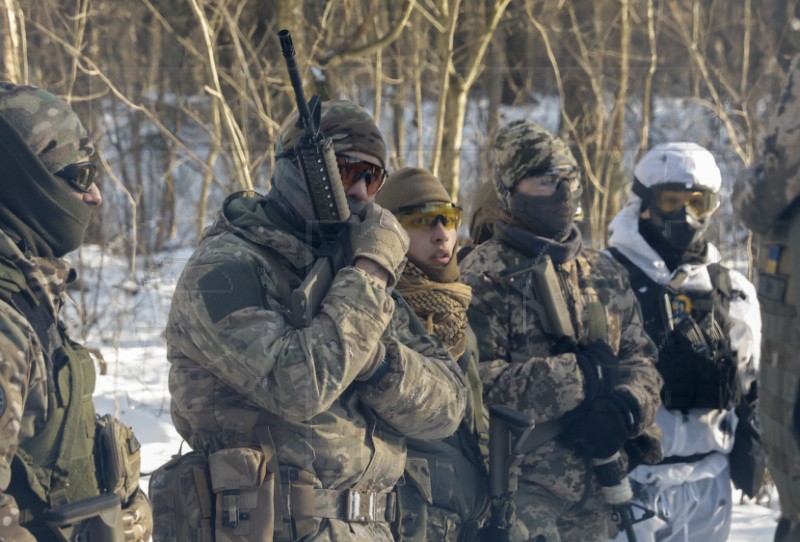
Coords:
pixel 334 58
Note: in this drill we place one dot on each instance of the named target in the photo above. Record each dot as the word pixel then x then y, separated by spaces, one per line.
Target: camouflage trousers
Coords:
pixel 542 516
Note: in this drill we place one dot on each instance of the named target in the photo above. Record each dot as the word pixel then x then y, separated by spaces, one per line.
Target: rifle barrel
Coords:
pixel 287 49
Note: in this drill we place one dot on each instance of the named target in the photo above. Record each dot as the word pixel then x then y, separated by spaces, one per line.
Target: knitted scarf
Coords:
pixel 442 306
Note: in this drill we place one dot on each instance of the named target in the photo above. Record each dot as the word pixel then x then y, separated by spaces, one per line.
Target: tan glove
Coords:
pixel 137 518
pixel 10 529
pixel 379 237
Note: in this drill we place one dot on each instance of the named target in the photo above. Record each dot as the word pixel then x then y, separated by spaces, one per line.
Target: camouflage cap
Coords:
pixel 47 123
pixel 349 126
pixel 524 148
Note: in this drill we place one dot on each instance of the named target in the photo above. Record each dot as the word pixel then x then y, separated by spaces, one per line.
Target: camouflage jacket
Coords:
pixel 764 194
pixel 24 405
pixel 519 369
pixel 237 363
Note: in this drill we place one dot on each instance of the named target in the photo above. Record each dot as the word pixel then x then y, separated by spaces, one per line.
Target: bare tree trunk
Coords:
pixel 647 92
pixel 14 58
pixel 456 93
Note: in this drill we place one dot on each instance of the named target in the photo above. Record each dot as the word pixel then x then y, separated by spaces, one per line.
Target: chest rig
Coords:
pixel 57 465
pixel 692 333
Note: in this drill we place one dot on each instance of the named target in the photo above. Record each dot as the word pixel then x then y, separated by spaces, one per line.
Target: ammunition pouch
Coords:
pixel 119 456
pixel 181 496
pixel 698 367
pixel 244 493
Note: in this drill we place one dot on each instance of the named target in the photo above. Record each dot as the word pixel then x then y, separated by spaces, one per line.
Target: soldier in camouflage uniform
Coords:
pixel 48 456
pixel 766 199
pixel 445 495
pixel 599 388
pixel 335 401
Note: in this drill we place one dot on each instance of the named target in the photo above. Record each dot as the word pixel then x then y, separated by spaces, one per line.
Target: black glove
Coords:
pixel 604 424
pixel 596 360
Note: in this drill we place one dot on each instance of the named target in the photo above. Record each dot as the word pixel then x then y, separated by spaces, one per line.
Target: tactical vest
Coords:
pixel 779 373
pixel 56 466
pixel 692 333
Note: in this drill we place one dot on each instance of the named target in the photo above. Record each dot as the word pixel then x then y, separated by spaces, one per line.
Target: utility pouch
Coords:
pixel 97 519
pixel 244 494
pixel 181 498
pixel 119 456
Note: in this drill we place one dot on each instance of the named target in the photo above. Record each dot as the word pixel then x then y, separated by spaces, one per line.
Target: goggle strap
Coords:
pixel 641 190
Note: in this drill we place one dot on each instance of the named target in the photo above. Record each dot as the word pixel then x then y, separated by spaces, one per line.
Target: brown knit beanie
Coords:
pixel 411 186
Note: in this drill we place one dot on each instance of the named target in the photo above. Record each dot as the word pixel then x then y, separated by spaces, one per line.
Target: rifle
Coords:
pixel 544 286
pixel 317 160
pixel 96 519
pixel 507 430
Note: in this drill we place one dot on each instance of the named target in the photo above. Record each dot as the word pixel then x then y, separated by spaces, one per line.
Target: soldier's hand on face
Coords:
pixel 137 518
pixel 379 237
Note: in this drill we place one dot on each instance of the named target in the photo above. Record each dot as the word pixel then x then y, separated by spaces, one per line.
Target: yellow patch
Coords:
pixel 681 305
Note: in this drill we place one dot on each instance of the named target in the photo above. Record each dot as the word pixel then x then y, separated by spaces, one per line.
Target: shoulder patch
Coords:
pixel 231 286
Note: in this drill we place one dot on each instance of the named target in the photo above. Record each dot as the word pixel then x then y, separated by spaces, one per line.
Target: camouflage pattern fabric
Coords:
pixel 237 364
pixel 24 404
pixel 523 149
pixel 50 128
pixel 766 191
pixel 765 198
pixel 519 369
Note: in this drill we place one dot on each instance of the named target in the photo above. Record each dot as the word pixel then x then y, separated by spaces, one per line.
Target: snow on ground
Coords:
pixel 127 326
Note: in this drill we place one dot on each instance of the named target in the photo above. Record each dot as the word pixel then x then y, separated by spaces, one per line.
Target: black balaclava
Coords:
pixel 40 135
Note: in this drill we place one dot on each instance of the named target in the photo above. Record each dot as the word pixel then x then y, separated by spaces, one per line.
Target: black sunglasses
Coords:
pixel 79 176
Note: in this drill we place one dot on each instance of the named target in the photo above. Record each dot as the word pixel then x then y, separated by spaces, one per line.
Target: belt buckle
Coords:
pixel 360 506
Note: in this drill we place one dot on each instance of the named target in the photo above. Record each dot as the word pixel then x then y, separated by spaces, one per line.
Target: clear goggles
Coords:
pixel 549 181
pixel 427 216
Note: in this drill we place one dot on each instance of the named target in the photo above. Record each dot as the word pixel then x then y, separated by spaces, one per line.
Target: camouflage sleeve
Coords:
pixel 17 377
pixel 543 387
pixel 295 373
pixel 637 353
pixel 423 394
pixel 763 193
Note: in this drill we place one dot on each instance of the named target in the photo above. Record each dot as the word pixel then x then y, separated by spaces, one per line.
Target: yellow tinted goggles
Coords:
pixel 698 203
pixel 424 217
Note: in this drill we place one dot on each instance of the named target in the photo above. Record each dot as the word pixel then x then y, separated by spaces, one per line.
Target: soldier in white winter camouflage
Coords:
pixel 766 199
pixel 704 318
pixel 599 384
pixel 333 403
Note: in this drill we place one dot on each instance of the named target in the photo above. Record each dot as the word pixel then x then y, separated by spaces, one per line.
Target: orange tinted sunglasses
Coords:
pixel 353 170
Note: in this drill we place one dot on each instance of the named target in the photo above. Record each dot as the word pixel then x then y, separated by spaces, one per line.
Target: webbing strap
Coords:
pixel 58 491
pixel 267 444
